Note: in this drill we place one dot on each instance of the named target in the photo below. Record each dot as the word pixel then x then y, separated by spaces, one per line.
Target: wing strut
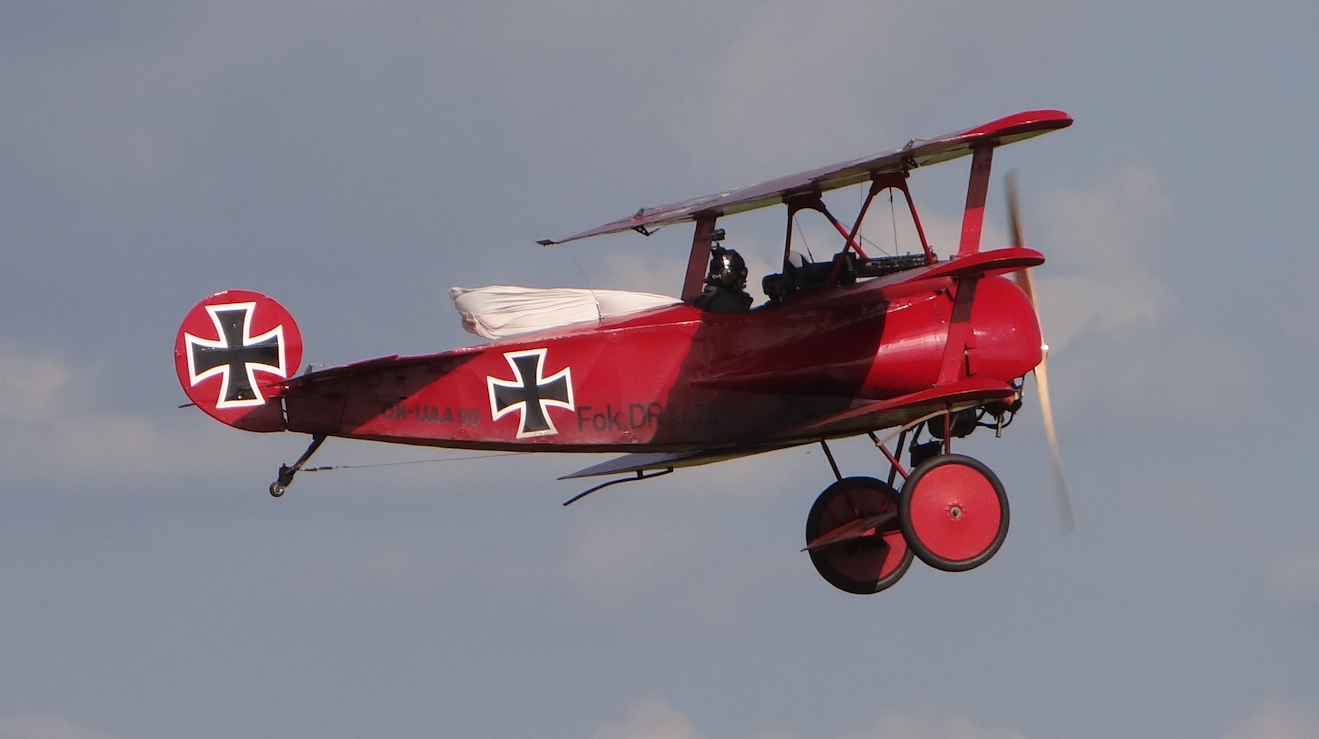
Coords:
pixel 974 217
pixel 694 282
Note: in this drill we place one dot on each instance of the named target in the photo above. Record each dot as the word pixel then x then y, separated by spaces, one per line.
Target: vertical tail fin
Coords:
pixel 232 347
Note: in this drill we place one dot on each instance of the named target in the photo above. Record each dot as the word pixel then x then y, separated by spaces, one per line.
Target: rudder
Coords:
pixel 231 351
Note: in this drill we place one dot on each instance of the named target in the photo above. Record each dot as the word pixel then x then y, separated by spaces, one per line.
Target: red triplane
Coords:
pixel 847 346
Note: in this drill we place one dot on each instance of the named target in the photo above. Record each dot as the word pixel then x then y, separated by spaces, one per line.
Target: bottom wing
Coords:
pixel 902 410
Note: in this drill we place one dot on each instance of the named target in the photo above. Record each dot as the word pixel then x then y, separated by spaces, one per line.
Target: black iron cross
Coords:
pixel 236 354
pixel 531 392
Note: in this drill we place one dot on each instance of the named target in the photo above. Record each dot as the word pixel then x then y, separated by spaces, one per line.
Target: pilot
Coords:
pixel 725 286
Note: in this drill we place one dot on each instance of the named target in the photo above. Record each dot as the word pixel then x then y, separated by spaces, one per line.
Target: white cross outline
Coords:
pixel 520 384
pixel 223 369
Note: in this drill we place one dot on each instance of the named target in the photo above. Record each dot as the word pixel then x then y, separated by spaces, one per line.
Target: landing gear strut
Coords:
pixel 286 473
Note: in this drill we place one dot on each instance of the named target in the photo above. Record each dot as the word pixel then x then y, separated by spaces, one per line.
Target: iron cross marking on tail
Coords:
pixel 236 356
pixel 531 393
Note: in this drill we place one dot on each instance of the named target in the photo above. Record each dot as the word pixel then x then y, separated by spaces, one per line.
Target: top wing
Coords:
pixel 917 153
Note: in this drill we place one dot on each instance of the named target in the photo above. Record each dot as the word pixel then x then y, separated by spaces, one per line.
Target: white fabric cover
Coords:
pixel 503 310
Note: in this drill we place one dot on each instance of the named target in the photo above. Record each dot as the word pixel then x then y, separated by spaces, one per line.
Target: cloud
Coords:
pixel 614 556
pixel 1100 241
pixel 649 719
pixel 1114 327
pixel 659 273
pixel 1147 372
pixel 654 719
pixel 743 111
pixel 807 83
pixel 52 430
pixel 21 726
pixel 1278 720
pixel 1295 576
pixel 924 725
pixel 663 535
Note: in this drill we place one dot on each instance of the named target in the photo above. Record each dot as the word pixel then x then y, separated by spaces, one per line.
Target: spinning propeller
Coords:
pixel 1042 370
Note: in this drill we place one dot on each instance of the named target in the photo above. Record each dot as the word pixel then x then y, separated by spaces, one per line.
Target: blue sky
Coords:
pixel 355 160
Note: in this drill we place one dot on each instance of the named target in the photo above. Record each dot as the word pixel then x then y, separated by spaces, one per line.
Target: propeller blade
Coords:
pixel 1059 482
pixel 1018 236
pixel 1027 284
pixel 1014 208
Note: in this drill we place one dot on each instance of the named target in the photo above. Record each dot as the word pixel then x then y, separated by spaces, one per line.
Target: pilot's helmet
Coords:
pixel 727 268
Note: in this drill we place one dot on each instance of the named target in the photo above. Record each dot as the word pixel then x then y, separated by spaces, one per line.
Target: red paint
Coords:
pixel 853 536
pixel 955 512
pixel 976 192
pixel 201 350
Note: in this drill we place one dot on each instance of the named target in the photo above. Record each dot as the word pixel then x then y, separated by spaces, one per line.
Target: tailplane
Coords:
pixel 232 351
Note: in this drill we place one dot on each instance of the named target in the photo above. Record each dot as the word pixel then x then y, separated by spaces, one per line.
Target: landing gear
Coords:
pixel 853 537
pixel 953 512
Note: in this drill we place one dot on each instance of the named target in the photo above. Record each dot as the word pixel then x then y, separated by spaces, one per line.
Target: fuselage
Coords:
pixel 675 378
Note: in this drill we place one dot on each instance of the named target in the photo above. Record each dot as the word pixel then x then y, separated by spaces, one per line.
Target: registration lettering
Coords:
pixel 418 413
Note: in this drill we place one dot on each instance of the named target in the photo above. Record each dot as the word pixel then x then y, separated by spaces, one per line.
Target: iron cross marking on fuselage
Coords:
pixel 236 355
pixel 531 393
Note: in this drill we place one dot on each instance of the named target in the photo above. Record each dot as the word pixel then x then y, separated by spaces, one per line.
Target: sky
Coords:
pixel 355 160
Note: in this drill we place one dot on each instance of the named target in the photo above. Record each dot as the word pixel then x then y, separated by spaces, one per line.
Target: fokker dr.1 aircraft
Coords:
pixel 850 345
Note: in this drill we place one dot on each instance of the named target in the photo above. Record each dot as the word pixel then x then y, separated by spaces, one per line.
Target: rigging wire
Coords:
pixel 585 279
pixel 599 314
pixel 331 468
pixel 802 234
pixel 893 218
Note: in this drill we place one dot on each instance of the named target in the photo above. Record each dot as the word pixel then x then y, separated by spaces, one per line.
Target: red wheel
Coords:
pixel 873 556
pixel 953 512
